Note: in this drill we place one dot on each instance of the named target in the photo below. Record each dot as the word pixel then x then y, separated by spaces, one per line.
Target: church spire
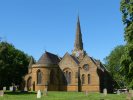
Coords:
pixel 78 38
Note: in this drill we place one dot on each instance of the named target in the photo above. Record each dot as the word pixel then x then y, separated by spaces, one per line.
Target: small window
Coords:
pixel 69 77
pixel 39 77
pixel 51 77
pixel 83 78
pixel 64 79
pixel 89 79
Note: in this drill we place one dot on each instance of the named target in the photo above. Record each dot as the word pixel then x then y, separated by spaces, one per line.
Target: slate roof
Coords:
pixel 48 58
pixel 101 65
pixel 75 59
pixel 31 62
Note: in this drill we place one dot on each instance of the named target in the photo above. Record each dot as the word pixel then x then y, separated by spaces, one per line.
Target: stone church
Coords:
pixel 74 72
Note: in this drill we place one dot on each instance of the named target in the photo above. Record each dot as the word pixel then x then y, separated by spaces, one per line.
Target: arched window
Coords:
pixel 69 77
pixel 51 77
pixel 39 77
pixel 83 78
pixel 88 78
pixel 29 82
pixel 64 79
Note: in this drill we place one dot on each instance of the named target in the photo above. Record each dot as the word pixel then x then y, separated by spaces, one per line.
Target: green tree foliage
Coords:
pixel 126 61
pixel 13 64
pixel 112 63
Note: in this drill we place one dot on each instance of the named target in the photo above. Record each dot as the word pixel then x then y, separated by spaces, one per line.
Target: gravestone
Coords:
pixel 87 92
pixel 104 91
pixel 39 93
pixel 25 88
pixel 131 91
pixel 2 93
pixel 11 88
pixel 14 89
pixel 128 95
pixel 118 92
pixel 4 88
pixel 45 91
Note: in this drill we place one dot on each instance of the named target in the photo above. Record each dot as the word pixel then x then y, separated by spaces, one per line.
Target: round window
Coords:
pixel 86 67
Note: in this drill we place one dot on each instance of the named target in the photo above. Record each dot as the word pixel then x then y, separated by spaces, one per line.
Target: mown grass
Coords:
pixel 57 95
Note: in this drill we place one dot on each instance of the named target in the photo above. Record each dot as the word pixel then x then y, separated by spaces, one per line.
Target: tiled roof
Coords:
pixel 75 59
pixel 31 62
pixel 101 65
pixel 48 58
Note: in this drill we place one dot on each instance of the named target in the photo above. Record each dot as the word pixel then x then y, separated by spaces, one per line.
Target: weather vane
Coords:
pixel 44 48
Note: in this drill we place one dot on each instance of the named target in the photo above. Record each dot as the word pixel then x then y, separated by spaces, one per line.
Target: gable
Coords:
pixel 88 61
pixel 68 62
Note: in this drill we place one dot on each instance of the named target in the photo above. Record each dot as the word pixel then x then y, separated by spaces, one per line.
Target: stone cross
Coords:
pixel 87 92
pixel 2 93
pixel 4 88
pixel 39 93
pixel 14 89
pixel 128 95
pixel 118 92
pixel 45 91
pixel 131 91
pixel 25 89
pixel 104 91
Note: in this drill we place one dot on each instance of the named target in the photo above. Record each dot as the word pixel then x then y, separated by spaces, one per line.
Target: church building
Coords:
pixel 74 72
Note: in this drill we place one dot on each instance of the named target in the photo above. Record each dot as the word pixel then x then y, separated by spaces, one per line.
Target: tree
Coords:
pixel 112 63
pixel 13 64
pixel 126 60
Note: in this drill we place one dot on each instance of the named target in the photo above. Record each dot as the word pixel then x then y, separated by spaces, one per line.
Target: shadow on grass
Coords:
pixel 19 93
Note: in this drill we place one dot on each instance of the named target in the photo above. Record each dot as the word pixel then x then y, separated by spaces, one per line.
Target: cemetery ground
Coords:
pixel 59 95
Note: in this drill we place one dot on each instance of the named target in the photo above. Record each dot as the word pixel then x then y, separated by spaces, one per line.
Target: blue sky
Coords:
pixel 32 25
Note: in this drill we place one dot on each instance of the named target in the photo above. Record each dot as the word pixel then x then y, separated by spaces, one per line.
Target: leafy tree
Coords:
pixel 112 63
pixel 126 61
pixel 13 64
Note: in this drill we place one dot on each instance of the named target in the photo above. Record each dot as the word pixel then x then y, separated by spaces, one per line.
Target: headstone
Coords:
pixel 2 93
pixel 11 88
pixel 131 91
pixel 45 91
pixel 25 89
pixel 87 92
pixel 14 89
pixel 128 95
pixel 118 92
pixel 39 93
pixel 104 91
pixel 4 88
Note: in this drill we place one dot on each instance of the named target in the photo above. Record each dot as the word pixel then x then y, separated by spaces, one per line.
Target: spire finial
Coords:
pixel 78 17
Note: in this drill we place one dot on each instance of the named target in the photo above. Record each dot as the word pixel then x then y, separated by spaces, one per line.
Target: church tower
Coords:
pixel 78 52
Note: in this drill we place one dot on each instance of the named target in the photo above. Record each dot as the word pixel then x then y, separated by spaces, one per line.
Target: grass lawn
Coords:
pixel 56 95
